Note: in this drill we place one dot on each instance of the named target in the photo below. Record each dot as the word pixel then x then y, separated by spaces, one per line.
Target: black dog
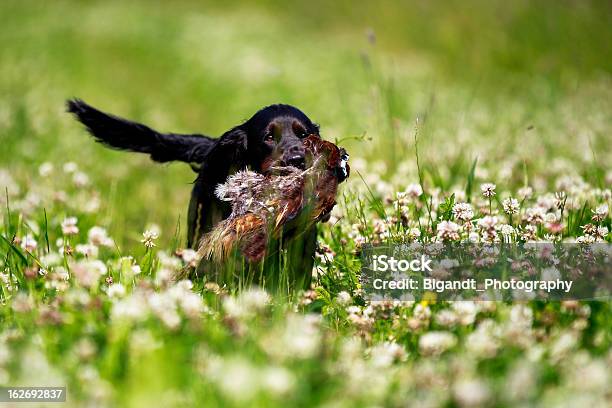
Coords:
pixel 272 137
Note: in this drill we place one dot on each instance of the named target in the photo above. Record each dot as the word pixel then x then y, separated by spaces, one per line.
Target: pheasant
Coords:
pixel 276 204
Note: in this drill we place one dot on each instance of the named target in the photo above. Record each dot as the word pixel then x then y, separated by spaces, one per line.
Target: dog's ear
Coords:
pixel 227 154
pixel 234 144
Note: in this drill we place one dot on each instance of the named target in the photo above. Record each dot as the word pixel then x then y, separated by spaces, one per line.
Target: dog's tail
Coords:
pixel 123 134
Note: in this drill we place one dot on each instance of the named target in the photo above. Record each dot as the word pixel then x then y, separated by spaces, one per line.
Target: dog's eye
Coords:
pixel 268 137
pixel 299 130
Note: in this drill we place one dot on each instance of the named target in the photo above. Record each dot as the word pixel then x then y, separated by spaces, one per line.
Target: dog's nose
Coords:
pixel 294 156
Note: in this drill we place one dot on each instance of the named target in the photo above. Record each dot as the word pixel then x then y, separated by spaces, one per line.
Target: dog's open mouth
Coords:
pixel 318 152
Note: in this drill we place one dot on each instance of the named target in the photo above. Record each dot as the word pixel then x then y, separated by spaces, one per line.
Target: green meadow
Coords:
pixel 434 101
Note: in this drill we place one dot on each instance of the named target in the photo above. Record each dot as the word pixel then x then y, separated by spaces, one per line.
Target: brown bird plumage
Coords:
pixel 263 206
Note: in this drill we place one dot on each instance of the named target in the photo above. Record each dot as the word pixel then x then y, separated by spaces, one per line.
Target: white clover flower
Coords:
pixel 481 342
pixel 525 193
pixel 535 215
pixel 601 232
pixel 594 376
pixel 463 211
pixel 563 346
pixel 45 169
pixel 446 318
pixel 163 277
pixel 136 269
pixel 421 312
pixel 233 308
pixel 169 262
pixel 300 338
pixel 80 179
pixel 247 303
pixel 88 272
pixel 6 280
pixel 29 243
pixel 448 231
pixel 585 239
pixel 471 393
pixel 414 190
pixel 343 298
pixel 550 274
pixel 97 266
pixel 85 349
pixel 70 167
pixel 88 250
pixel 474 237
pixel 148 238
pixel 488 189
pixel 191 304
pixel 600 213
pixel 99 236
pixel 51 259
pixel 414 233
pixel 8 184
pixel 92 205
pixel 546 202
pixel 550 218
pixel 116 290
pixel 189 255
pixel 278 380
pixel 385 354
pixel 255 299
pixel 434 343
pixel 511 205
pixel 447 263
pixel 488 222
pixel 164 307
pixel 69 226
pixel 506 230
pixel 466 311
pixel 401 199
pixel 521 315
pixel 132 308
pixel 236 378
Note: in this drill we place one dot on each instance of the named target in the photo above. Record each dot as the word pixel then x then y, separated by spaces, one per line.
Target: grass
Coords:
pixel 513 93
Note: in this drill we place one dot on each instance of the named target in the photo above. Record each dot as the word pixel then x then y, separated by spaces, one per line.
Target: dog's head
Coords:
pixel 274 136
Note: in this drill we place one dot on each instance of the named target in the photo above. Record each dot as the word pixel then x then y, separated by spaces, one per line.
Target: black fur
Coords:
pixel 272 136
pixel 123 134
